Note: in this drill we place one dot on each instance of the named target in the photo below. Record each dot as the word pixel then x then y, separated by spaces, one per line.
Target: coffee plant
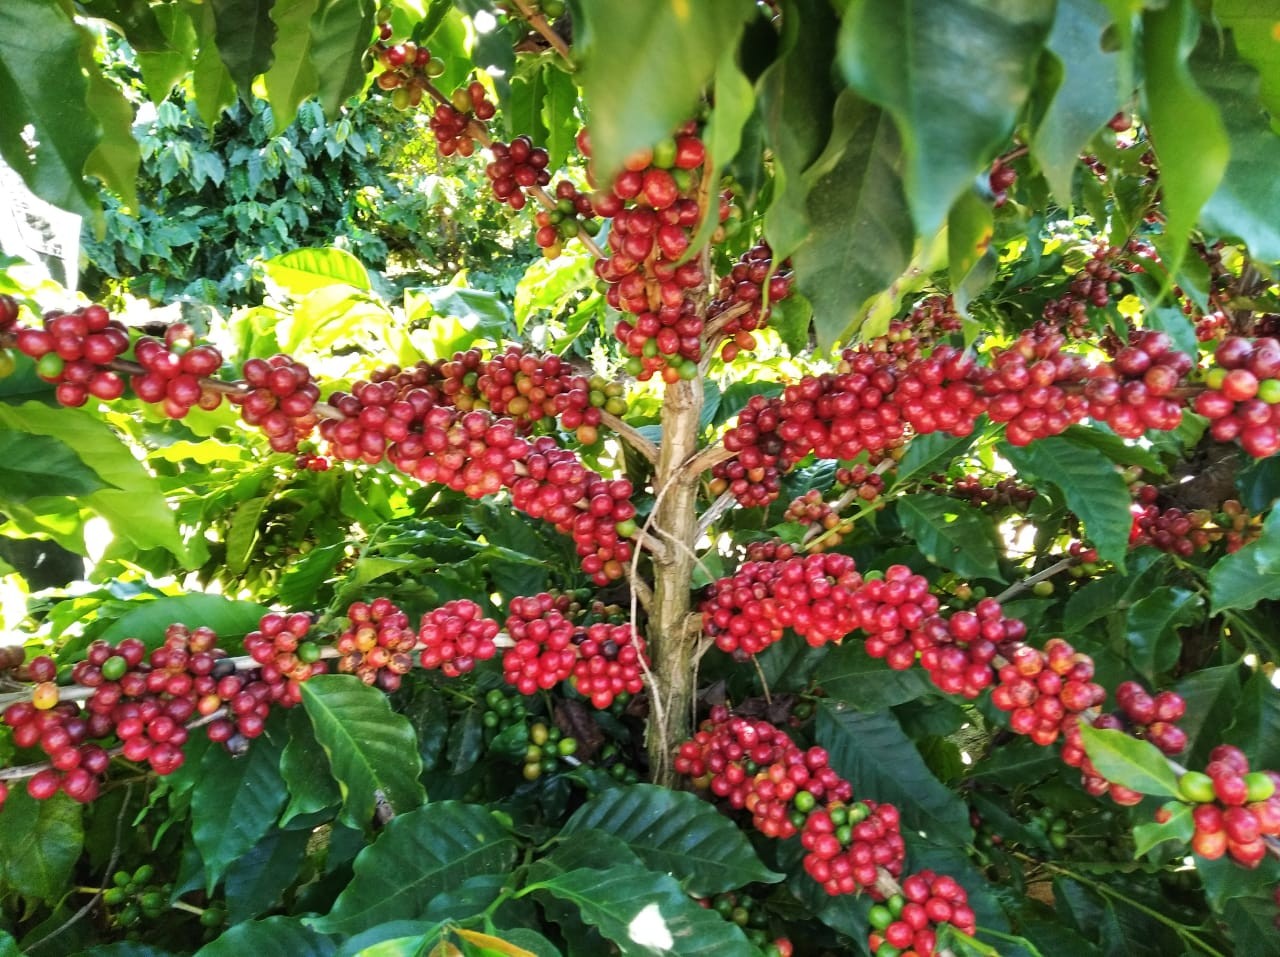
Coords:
pixel 854 533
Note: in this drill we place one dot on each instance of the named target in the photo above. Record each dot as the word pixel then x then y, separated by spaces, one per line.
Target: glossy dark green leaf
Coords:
pixel 1092 487
pixel 1087 94
pixel 1213 698
pixel 1128 761
pixel 1243 579
pixel 677 833
pixel 906 57
pixel 858 231
pixel 148 619
pixel 416 857
pixel 647 914
pixel 41 85
pixel 292 76
pixel 1152 624
pixel 558 113
pixel 1179 827
pixel 372 750
pixel 1191 168
pixel 796 104
pixel 134 503
pixel 236 802
pixel 930 453
pixel 161 70
pixel 245 35
pixel 52 835
pixel 305 769
pixel 864 683
pixel 256 881
pixel 951 534
pixel 1244 202
pixel 1252 924
pixel 273 937
pixel 644 67
pixel 872 751
pixel 1256 725
pixel 32 466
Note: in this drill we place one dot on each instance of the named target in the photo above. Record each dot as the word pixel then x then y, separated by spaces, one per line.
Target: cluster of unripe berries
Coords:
pixel 1242 394
pixel 76 351
pixel 906 923
pixel 1235 808
pixel 572 213
pixel 451 123
pixel 744 910
pixel 407 68
pixel 378 645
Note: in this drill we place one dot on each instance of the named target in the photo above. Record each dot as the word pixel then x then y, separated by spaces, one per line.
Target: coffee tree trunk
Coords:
pixel 673 626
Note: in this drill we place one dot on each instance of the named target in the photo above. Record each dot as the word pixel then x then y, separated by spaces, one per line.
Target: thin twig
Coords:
pixel 715 511
pixel 632 436
pixel 1045 573
pixel 539 23
pixel 711 456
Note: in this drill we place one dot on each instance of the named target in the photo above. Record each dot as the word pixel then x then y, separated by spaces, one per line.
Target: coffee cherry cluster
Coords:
pixel 573 213
pixel 1093 287
pixel 280 400
pixel 751 284
pixel 848 845
pixel 609 663
pixel 62 734
pixel 1148 716
pixel 451 122
pixel 755 766
pixel 137 896
pixel 406 68
pixel 869 485
pixel 892 610
pixel 544 653
pixel 546 747
pixel 455 636
pixel 378 645
pixel 958 652
pixel 75 351
pixel 1235 808
pixel 742 909
pixel 811 508
pixel 1133 392
pixel 1006 493
pixel 1242 394
pixel 908 923
pixel 814 595
pixel 280 646
pixel 515 168
pixel 1045 691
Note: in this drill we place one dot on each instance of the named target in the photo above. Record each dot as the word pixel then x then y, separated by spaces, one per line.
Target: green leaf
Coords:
pixel 1243 579
pixel 644 913
pixel 1152 626
pixel 797 103
pixel 39 865
pixel 1191 167
pixel 558 114
pixel 235 803
pixel 305 770
pixel 245 35
pixel 970 227
pixel 858 238
pixel 8 946
pixel 242 533
pixel 418 856
pixel 1129 762
pixel 1244 202
pixel 372 750
pixel 163 68
pixel 257 880
pixel 210 81
pixel 273 937
pixel 872 751
pixel 32 466
pixel 1251 921
pixel 930 453
pixel 292 77
pixel 42 85
pixel 951 534
pixel 1178 828
pixel 1087 93
pixel 644 67
pixel 677 833
pixel 135 505
pixel 920 60
pixel 1256 725
pixel 1252 24
pixel 116 157
pixel 1118 450
pixel 851 675
pixel 148 620
pixel 1094 490
pixel 306 270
